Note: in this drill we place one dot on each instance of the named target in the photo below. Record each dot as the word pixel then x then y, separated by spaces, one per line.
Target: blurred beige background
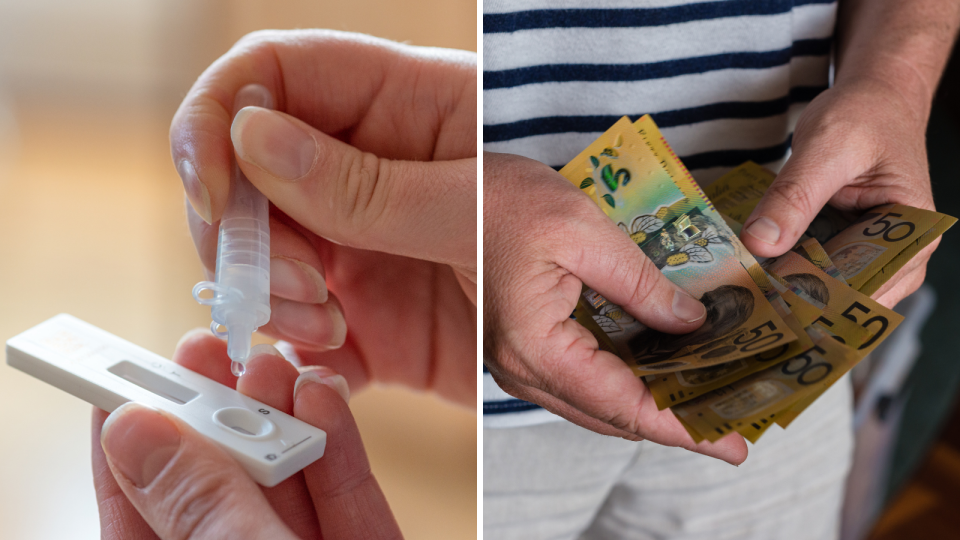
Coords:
pixel 91 223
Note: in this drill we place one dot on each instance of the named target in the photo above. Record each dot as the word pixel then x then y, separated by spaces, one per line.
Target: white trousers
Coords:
pixel 559 481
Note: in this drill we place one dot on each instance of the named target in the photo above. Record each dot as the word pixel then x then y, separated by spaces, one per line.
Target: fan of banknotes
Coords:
pixel 777 334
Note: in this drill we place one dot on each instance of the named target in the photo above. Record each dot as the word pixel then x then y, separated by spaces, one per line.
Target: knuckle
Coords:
pixel 790 196
pixel 194 503
pixel 577 215
pixel 511 387
pixel 624 421
pixel 646 282
pixel 347 483
pixel 361 177
pixel 513 370
pixel 569 230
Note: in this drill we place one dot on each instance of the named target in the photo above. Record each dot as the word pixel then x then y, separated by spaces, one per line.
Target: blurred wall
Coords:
pixel 152 50
pixel 91 223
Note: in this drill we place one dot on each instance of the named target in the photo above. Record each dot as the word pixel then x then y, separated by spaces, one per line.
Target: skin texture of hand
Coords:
pixel 542 239
pixel 861 143
pixel 156 477
pixel 371 172
pixel 849 154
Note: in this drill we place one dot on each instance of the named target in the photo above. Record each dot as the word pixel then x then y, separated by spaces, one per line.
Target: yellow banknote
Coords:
pixel 811 250
pixel 674 388
pixel 669 389
pixel 803 305
pixel 787 416
pixel 690 244
pixel 647 129
pixel 842 304
pixel 864 248
pixel 751 404
pixel 737 193
pixel 888 270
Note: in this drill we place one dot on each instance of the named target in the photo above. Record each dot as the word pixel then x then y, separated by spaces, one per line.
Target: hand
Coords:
pixel 371 168
pixel 542 240
pixel 857 146
pixel 160 478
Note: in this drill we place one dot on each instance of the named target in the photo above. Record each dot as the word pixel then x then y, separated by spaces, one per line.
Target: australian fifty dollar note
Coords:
pixel 867 251
pixel 690 244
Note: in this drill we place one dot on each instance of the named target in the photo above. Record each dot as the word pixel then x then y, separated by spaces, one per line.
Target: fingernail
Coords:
pixel 139 442
pixel 319 324
pixel 323 375
pixel 197 193
pixel 765 230
pixel 686 308
pixel 291 278
pixel 288 351
pixel 273 143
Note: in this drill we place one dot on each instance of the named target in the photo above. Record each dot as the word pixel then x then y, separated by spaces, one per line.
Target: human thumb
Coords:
pixel 182 484
pixel 425 210
pixel 817 169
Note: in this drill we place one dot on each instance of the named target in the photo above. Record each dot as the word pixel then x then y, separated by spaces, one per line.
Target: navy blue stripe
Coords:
pixel 508 406
pixel 549 125
pixel 494 23
pixel 509 78
pixel 731 158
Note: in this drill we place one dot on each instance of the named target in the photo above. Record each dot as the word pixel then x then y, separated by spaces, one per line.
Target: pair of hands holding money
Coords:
pixel 844 152
pixel 371 171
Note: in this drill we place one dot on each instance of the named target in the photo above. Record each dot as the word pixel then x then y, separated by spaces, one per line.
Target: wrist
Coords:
pixel 898 89
pixel 903 45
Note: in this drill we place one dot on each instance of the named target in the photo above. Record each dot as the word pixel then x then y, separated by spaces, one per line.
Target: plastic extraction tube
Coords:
pixel 241 293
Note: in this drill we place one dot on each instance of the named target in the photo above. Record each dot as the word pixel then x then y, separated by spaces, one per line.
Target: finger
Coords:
pixel 820 165
pixel 296 272
pixel 907 280
pixel 348 361
pixel 313 326
pixel 205 236
pixel 347 498
pixel 365 83
pixel 184 485
pixel 269 378
pixel 356 198
pixel 119 519
pixel 600 385
pixel 905 285
pixel 206 354
pixel 597 252
pixel 196 192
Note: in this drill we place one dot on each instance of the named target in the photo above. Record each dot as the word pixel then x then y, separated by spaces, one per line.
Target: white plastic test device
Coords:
pixel 106 371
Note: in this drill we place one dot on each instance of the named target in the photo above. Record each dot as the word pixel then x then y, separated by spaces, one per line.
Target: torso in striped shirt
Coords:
pixel 724 80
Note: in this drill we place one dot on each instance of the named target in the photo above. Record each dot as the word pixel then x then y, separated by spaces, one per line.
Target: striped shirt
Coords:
pixel 724 80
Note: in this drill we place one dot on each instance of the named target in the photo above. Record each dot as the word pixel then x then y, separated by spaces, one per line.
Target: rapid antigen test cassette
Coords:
pixel 107 371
